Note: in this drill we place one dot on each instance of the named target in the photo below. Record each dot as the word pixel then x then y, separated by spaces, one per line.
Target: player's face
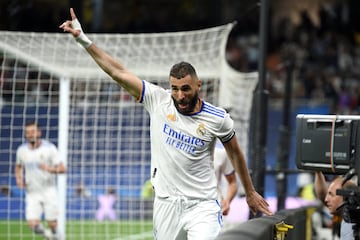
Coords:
pixel 32 134
pixel 332 200
pixel 185 93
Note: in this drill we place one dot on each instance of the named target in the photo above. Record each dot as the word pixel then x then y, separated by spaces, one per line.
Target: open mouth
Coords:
pixel 183 105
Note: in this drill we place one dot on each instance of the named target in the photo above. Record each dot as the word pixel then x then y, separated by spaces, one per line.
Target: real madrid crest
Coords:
pixel 201 130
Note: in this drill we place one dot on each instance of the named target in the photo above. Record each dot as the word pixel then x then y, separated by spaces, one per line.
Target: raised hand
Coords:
pixel 73 26
pixel 68 25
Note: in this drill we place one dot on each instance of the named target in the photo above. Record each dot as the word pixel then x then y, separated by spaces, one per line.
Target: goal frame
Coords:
pixel 56 63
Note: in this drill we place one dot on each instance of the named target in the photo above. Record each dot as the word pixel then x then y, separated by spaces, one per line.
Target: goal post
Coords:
pixel 101 132
pixel 64 104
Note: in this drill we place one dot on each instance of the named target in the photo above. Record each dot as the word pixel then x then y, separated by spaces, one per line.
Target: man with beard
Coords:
pixel 184 129
pixel 41 162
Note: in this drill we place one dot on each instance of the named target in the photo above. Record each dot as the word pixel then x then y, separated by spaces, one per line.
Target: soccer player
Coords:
pixel 230 189
pixel 40 161
pixel 226 179
pixel 184 129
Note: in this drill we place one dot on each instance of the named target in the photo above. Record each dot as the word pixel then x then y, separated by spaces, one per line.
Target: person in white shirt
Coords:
pixel 184 129
pixel 39 159
pixel 226 178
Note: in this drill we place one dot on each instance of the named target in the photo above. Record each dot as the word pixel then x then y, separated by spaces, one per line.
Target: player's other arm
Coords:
pixel 59 168
pixel 19 176
pixel 107 63
pixel 56 166
pixel 254 200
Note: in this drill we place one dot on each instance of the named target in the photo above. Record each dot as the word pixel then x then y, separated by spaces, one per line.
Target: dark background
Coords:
pixel 142 16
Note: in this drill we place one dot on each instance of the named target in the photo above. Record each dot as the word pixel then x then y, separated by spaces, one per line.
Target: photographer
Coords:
pixel 327 194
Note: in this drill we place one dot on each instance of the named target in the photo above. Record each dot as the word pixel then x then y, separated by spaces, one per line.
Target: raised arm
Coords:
pixel 321 186
pixel 255 201
pixel 116 70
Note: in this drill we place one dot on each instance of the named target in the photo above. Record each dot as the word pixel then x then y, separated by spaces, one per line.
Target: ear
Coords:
pixel 199 83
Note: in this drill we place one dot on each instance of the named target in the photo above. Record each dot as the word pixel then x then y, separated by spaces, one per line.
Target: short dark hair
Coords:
pixel 31 123
pixel 182 69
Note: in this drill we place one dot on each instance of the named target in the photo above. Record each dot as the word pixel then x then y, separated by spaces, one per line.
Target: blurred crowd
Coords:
pixel 323 61
pixel 322 57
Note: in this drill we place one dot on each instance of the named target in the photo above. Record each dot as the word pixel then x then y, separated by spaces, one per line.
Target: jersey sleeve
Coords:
pixel 226 131
pixel 152 95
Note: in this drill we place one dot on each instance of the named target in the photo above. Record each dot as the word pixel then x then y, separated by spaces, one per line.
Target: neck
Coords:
pixel 197 106
pixel 35 144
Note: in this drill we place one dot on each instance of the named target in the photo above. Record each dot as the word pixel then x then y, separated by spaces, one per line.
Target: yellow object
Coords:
pixel 147 190
pixel 281 229
pixel 307 192
pixel 309 213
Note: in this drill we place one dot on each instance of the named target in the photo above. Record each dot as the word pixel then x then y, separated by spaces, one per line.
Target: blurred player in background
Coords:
pixel 226 178
pixel 231 191
pixel 40 160
pixel 184 129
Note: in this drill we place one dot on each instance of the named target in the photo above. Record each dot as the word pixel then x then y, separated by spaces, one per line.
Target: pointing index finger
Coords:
pixel 72 13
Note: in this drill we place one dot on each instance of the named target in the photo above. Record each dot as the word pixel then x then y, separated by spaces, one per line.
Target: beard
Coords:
pixel 191 104
pixel 33 141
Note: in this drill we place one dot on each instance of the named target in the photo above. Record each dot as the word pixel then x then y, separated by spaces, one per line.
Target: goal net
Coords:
pixel 101 132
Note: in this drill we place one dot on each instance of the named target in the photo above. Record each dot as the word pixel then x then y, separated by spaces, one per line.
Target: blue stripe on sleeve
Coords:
pixel 213 110
pixel 142 92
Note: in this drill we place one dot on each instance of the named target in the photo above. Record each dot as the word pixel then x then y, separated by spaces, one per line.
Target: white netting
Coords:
pixel 107 141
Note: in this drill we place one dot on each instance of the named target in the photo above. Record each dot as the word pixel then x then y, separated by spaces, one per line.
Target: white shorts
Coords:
pixel 38 203
pixel 183 219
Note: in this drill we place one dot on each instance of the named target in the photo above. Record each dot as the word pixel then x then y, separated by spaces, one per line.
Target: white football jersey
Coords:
pixel 182 146
pixel 37 179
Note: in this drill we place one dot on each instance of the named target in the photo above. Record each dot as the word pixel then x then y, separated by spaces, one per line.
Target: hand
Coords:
pixel 257 203
pixel 68 25
pixel 74 27
pixel 48 168
pixel 225 205
pixel 44 167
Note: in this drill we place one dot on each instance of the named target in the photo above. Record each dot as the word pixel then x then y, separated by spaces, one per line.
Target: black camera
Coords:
pixel 327 143
pixel 351 208
pixel 351 205
pixel 331 144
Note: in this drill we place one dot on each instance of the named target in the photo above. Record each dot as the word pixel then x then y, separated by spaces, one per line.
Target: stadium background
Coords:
pixel 323 33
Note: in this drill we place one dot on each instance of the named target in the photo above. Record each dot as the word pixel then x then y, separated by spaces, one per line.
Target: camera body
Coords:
pixel 331 144
pixel 327 143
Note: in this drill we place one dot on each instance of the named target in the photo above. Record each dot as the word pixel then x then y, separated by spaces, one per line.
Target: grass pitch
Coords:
pixel 81 230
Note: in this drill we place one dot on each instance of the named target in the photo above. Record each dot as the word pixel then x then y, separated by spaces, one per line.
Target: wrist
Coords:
pixel 83 40
pixel 249 192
